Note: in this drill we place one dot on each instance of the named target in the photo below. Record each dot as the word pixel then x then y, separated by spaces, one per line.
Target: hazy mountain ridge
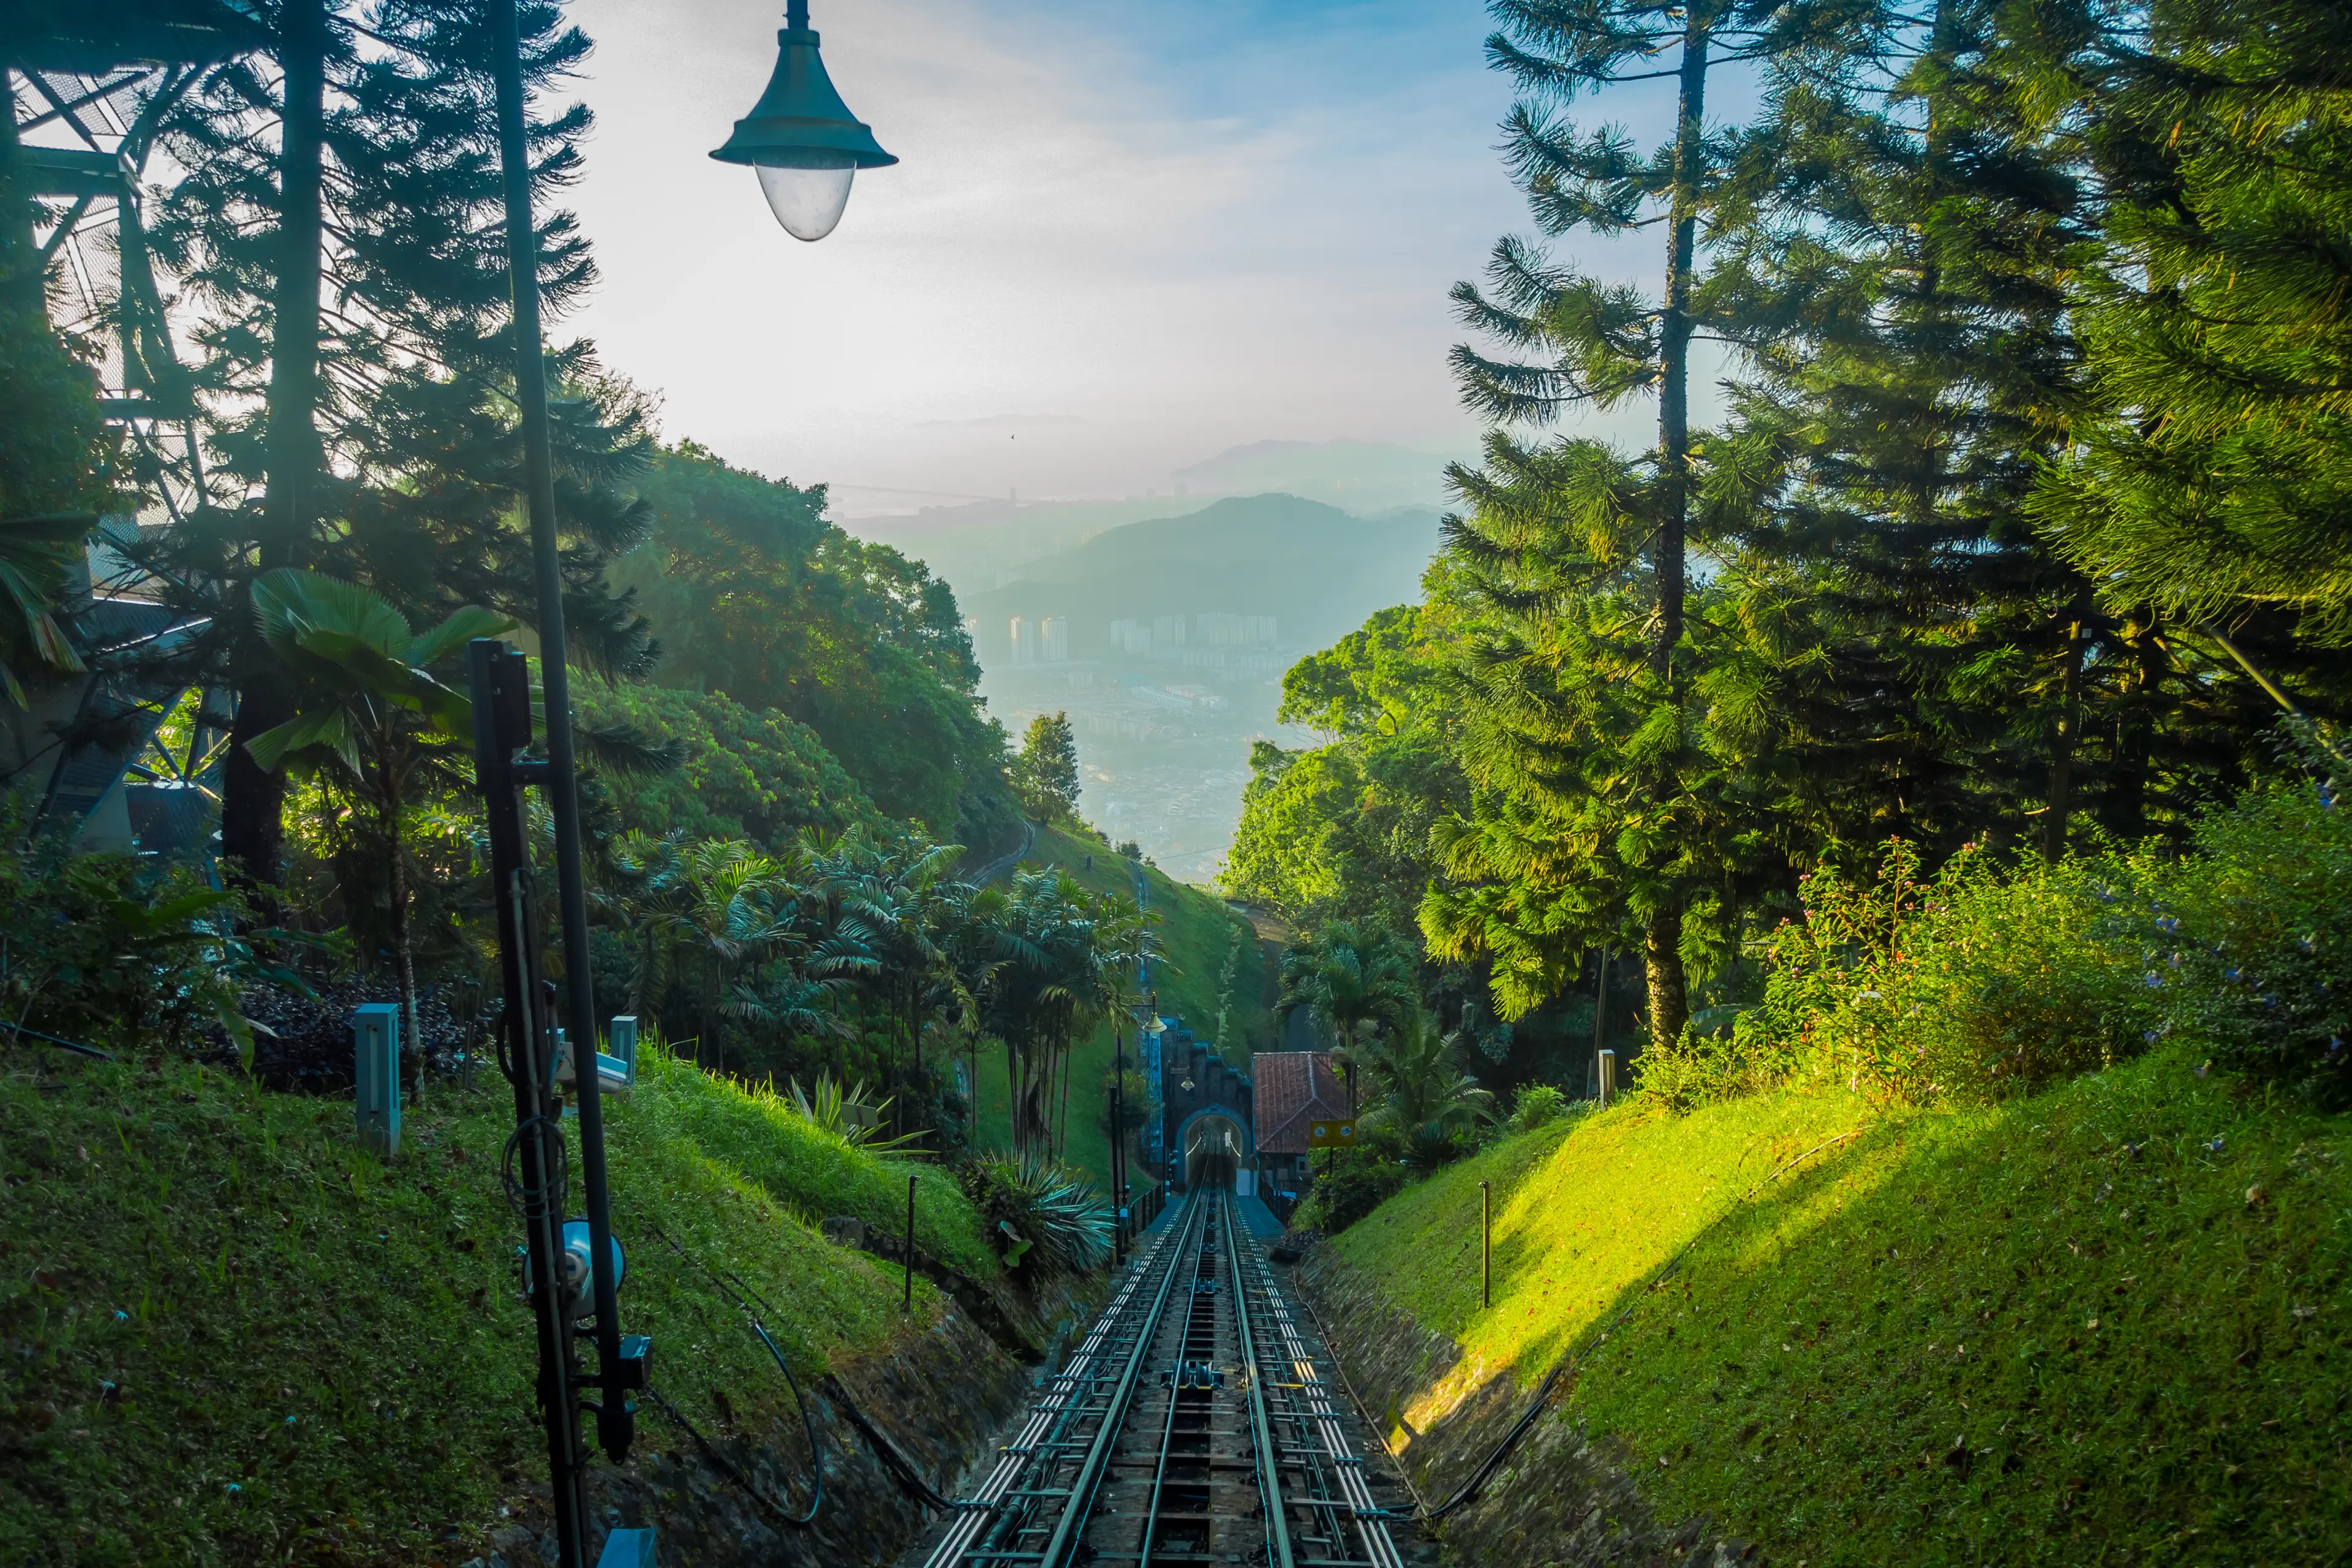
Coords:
pixel 1316 570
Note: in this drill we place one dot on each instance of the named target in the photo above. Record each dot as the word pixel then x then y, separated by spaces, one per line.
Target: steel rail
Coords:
pixel 1319 1418
pixel 1168 1425
pixel 1067 1529
pixel 1270 1459
pixel 1061 1393
pixel 1177 1388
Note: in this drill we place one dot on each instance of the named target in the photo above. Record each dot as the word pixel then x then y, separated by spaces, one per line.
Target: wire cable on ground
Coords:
pixel 893 1460
pixel 74 1045
pixel 1469 1489
pixel 744 1297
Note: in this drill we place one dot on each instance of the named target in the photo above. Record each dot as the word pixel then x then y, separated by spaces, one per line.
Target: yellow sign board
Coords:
pixel 1330 1134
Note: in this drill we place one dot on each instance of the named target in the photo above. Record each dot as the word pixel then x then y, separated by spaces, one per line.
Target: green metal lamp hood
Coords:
pixel 801 138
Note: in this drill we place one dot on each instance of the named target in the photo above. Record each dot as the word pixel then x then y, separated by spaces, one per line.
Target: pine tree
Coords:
pixel 1620 523
pixel 247 229
pixel 1045 773
pixel 2221 487
pixel 1902 233
pixel 379 195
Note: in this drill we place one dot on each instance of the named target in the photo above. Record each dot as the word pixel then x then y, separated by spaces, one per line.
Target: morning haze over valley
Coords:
pixel 1162 624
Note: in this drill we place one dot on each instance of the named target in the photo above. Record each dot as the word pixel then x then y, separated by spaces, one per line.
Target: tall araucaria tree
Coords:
pixel 337 230
pixel 1575 341
pixel 1898 255
pixel 2220 488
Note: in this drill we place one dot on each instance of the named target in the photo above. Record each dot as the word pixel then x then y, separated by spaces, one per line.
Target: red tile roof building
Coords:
pixel 1293 1088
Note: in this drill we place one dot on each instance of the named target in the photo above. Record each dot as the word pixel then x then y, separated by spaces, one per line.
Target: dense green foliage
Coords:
pixel 2016 298
pixel 761 599
pixel 748 772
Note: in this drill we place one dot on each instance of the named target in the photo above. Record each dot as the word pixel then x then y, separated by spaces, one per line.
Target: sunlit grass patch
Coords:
pixel 2105 1323
pixel 813 1174
pixel 1583 1209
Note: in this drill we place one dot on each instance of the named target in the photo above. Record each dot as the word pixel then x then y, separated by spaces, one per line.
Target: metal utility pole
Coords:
pixel 1599 1016
pixel 616 1420
pixel 1118 1237
pixel 1486 1245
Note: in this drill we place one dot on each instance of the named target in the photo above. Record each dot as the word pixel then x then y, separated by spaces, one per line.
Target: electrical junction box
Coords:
pixel 375 1098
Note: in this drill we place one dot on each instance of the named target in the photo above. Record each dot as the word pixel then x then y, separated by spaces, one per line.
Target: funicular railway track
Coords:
pixel 1193 1425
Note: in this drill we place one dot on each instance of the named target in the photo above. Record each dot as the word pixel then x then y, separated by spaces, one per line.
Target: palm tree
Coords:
pixel 1425 1093
pixel 975 959
pixel 896 899
pixel 1060 949
pixel 1351 977
pixel 639 890
pixel 734 905
pixel 369 714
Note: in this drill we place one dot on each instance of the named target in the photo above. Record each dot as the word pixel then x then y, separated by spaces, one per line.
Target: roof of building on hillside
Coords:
pixel 1293 1088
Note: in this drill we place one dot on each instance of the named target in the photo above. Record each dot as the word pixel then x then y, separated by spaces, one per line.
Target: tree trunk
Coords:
pixel 713 987
pixel 1599 1021
pixel 1012 1094
pixel 23 285
pixel 915 1034
pixel 1662 957
pixel 395 874
pixel 253 801
pixel 2126 806
pixel 1063 1139
pixel 1669 561
pixel 2070 722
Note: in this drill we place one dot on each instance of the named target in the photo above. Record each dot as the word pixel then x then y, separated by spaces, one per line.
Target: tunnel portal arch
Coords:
pixel 1213 1148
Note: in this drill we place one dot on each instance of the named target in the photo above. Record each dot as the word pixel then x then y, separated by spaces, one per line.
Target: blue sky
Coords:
pixel 1123 237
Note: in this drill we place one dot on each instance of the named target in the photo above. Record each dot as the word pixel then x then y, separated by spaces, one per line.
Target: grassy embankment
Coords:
pixel 2102 1323
pixel 1196 934
pixel 236 1337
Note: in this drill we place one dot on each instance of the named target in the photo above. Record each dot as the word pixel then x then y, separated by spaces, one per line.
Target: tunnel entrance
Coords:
pixel 1214 1151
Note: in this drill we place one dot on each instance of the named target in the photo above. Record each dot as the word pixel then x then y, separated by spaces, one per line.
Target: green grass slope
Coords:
pixel 2103 1324
pixel 235 1337
pixel 1198 935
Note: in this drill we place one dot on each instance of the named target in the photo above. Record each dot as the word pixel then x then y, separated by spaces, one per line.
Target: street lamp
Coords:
pixel 800 137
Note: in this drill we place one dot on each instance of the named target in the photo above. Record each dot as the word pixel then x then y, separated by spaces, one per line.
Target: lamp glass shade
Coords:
pixel 802 138
pixel 807 201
